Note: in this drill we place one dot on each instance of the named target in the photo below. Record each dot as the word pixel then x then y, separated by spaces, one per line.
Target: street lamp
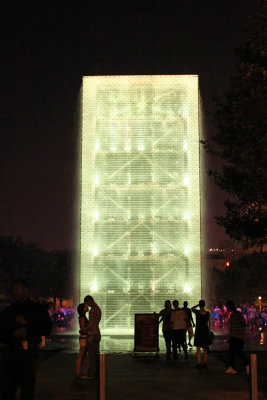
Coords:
pixel 259 298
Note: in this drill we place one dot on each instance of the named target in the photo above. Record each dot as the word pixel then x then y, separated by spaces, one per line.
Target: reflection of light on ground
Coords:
pixel 69 341
pixel 108 344
pixel 123 344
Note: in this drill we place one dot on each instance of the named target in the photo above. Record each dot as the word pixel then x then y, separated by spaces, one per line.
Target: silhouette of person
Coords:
pixel 93 335
pixel 165 318
pixel 201 332
pixel 179 323
pixel 22 326
pixel 237 336
pixel 190 323
pixel 81 358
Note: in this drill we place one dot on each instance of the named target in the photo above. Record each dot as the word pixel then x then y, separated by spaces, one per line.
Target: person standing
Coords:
pixel 83 323
pixel 165 318
pixel 93 335
pixel 190 323
pixel 237 334
pixel 23 326
pixel 179 323
pixel 201 333
pixel 251 312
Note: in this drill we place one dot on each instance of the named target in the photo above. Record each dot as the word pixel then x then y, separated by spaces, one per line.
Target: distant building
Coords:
pixel 221 258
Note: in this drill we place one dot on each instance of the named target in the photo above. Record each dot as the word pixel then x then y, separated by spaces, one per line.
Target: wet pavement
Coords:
pixel 144 376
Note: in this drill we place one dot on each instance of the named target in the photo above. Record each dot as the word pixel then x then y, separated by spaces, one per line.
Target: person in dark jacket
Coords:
pixel 237 335
pixel 23 327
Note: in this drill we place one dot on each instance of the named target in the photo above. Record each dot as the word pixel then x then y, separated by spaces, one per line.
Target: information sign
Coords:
pixel 146 333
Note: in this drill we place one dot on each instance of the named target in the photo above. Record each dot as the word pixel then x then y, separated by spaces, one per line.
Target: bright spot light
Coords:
pixel 185 146
pixel 186 181
pixel 186 114
pixel 187 288
pixel 186 217
pixel 153 248
pixel 127 289
pixel 95 251
pixel 96 215
pixel 127 148
pixel 113 148
pixel 141 147
pixel 186 250
pixel 94 287
pixel 96 180
pixel 97 146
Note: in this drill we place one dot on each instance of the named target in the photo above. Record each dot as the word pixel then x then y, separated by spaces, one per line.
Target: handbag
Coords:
pixel 211 337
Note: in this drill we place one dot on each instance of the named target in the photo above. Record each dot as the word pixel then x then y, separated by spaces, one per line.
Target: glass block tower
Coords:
pixel 140 195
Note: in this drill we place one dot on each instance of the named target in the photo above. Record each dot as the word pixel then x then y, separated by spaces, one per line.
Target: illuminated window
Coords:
pixel 139 186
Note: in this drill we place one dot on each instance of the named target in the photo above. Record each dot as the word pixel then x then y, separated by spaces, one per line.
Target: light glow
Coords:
pixel 94 287
pixel 96 180
pixel 96 215
pixel 139 183
pixel 95 251
pixel 186 250
pixel 187 289
pixel 186 181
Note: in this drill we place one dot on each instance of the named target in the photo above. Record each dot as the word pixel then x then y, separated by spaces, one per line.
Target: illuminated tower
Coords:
pixel 140 194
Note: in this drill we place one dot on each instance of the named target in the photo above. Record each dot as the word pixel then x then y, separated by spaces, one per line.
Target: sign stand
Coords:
pixel 146 334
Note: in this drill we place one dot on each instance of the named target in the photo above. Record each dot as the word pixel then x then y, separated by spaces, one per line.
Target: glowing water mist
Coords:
pixel 140 194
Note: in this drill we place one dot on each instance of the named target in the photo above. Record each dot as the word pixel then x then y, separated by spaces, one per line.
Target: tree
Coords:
pixel 49 274
pixel 240 139
pixel 244 280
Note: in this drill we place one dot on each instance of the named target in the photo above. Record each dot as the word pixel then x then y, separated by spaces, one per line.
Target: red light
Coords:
pixel 227 264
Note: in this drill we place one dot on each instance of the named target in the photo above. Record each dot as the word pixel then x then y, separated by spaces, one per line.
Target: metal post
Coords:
pixel 253 377
pixel 102 377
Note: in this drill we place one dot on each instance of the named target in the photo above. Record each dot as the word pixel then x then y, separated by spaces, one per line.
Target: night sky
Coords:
pixel 45 52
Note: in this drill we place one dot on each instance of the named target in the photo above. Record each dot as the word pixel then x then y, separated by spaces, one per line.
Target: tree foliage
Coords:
pixel 244 280
pixel 49 274
pixel 240 122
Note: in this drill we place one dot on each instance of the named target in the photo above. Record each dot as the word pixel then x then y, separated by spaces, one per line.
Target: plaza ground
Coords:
pixel 145 377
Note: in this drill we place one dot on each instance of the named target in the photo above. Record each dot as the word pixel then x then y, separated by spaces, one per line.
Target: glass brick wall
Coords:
pixel 140 195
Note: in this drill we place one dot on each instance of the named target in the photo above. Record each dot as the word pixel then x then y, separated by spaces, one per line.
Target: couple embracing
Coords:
pixel 89 339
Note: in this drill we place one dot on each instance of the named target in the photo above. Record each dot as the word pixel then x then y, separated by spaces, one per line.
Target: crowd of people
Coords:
pixel 25 324
pixel 178 321
pixel 254 316
pixel 63 318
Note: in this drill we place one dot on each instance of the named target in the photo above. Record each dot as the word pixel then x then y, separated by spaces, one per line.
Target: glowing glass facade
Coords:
pixel 140 194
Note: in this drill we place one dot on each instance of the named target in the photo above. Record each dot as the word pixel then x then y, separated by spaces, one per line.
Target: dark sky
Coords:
pixel 45 52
